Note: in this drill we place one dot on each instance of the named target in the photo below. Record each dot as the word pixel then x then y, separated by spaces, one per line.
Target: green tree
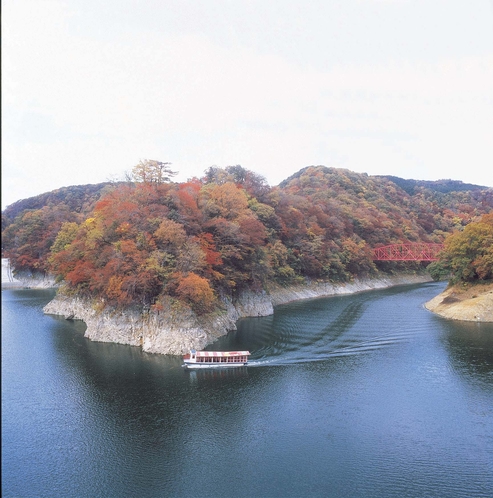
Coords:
pixel 438 270
pixel 469 254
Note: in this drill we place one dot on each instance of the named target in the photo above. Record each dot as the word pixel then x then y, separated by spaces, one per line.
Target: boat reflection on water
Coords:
pixel 216 374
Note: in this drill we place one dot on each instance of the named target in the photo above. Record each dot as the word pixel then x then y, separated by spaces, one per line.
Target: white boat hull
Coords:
pixel 213 365
pixel 215 359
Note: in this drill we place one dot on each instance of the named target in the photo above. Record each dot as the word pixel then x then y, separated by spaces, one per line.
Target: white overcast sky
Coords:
pixel 389 87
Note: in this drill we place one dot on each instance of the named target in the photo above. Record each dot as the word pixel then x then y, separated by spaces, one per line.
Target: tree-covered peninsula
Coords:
pixel 163 248
pixel 467 258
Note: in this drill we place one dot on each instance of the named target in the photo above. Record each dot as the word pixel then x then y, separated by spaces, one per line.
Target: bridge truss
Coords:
pixel 417 251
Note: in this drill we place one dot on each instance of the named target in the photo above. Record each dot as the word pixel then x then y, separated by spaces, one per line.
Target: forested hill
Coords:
pixel 76 199
pixel 154 240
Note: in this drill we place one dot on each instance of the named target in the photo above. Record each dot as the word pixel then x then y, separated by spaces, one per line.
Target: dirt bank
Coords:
pixel 465 302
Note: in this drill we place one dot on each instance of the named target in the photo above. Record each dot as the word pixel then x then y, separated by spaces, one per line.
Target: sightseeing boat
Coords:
pixel 215 359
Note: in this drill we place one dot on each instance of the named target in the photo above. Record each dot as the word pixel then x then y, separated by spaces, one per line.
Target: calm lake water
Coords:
pixel 366 395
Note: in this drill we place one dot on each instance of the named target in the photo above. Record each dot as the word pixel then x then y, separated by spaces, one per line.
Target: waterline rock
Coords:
pixel 24 280
pixel 176 331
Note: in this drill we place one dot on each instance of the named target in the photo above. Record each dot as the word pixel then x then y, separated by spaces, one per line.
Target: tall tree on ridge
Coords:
pixel 152 171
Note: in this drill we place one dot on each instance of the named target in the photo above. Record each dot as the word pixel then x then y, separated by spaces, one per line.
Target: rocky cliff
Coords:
pixel 176 331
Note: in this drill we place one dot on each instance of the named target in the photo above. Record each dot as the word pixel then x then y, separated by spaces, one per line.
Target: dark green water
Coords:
pixel 367 395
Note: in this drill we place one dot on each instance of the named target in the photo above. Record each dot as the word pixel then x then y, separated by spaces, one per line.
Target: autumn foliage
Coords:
pixel 194 242
pixel 196 291
pixel 468 254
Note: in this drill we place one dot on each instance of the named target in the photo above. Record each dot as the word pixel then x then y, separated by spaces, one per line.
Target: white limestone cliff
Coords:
pixel 175 332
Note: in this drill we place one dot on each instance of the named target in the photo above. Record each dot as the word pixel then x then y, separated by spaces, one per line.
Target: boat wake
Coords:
pixel 327 328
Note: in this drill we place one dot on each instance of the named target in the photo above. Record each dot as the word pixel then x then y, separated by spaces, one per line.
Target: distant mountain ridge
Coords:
pixel 408 185
pixel 78 196
pixel 442 186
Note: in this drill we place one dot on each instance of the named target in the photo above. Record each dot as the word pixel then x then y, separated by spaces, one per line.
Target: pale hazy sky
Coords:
pixel 397 87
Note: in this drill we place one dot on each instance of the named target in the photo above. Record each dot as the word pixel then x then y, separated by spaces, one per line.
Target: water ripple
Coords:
pixel 328 328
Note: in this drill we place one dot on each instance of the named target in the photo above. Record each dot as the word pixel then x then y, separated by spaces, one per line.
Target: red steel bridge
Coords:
pixel 416 251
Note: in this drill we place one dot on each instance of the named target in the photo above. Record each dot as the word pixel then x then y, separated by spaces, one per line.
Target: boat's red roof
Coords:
pixel 222 353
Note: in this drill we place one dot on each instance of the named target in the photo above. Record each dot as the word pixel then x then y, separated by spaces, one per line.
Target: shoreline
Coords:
pixel 176 331
pixel 469 303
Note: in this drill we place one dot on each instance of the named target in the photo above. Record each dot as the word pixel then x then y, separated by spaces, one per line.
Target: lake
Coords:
pixel 363 395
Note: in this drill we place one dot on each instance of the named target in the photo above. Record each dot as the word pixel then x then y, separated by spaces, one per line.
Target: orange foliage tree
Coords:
pixel 195 290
